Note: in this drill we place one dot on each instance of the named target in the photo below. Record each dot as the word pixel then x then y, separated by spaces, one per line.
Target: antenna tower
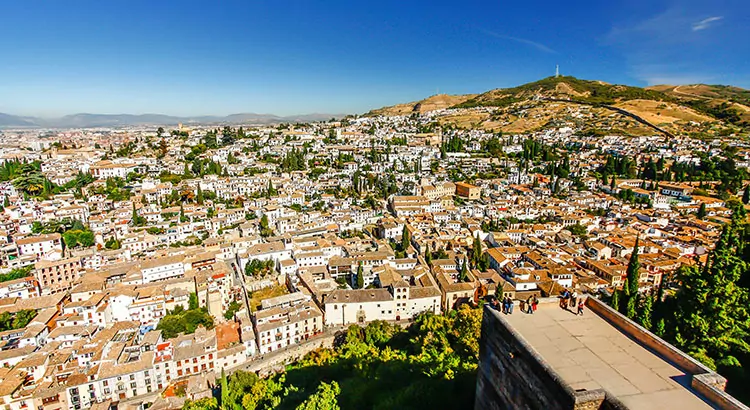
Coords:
pixel 557 70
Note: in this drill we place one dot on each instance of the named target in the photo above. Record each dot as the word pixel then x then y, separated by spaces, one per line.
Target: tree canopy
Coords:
pixel 430 365
pixel 180 320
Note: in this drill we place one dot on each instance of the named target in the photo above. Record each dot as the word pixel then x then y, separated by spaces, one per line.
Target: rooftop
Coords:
pixel 587 352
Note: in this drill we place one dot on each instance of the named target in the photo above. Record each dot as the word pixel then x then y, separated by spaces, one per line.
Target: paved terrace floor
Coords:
pixel 589 353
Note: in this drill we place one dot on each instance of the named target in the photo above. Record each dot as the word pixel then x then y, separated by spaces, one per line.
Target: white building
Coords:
pixel 163 268
pixel 397 302
pixel 42 247
pixel 279 327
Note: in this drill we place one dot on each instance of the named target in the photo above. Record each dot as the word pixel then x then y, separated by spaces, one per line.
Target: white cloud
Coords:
pixel 538 46
pixel 668 47
pixel 706 23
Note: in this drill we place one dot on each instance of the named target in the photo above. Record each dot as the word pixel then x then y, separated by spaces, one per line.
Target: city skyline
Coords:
pixel 186 60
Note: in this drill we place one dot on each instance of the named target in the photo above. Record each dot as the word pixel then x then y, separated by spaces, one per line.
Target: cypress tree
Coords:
pixel 746 195
pixel 631 309
pixel 701 211
pixel 360 277
pixel 711 315
pixel 624 297
pixel 225 405
pixel 405 239
pixel 199 197
pixel 463 275
pixel 270 191
pixel 477 249
pixel 644 315
pixel 634 266
pixel 615 302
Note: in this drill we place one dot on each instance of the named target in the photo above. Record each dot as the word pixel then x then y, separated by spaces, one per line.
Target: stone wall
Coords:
pixel 276 361
pixel 512 375
pixel 646 338
pixel 704 380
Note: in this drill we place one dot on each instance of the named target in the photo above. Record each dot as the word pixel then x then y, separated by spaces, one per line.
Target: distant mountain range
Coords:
pixel 117 120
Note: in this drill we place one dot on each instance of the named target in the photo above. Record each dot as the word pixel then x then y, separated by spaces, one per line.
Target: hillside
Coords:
pixel 602 107
pixel 435 102
pixel 594 92
pixel 729 103
pixel 7 120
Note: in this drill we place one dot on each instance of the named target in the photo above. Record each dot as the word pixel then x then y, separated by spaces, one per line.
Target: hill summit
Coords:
pixel 603 107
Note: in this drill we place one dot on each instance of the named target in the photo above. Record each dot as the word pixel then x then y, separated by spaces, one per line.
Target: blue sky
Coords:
pixel 291 57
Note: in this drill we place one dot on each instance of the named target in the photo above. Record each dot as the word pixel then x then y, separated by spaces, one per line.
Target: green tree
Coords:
pixel 180 321
pixel 265 229
pixel 224 386
pixel 624 297
pixel 270 190
pixel 206 403
pixel 463 275
pixel 660 328
pixel 576 229
pixel 745 195
pixel 615 301
pixel 405 239
pixel 467 327
pixel 232 309
pixel 360 276
pixel 136 218
pixel 701 214
pixel 32 182
pixel 17 320
pixel 193 301
pixel 325 398
pixel 646 311
pixel 432 364
pixel 199 196
pixel 631 309
pixel 77 237
pixel 633 271
pixel 112 243
pixel 476 251
pixel 16 273
pixel 711 310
